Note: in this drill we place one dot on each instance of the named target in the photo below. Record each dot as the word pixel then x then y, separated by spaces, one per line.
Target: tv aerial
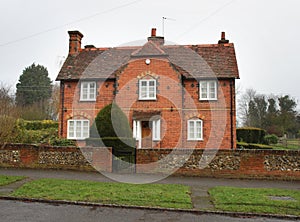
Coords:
pixel 163 24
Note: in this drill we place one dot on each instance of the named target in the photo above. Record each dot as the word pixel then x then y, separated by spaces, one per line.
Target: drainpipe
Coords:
pixel 62 95
pixel 182 110
pixel 231 112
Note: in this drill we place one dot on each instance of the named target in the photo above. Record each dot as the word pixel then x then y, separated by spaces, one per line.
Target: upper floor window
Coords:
pixel 208 90
pixel 78 129
pixel 88 91
pixel 195 129
pixel 147 89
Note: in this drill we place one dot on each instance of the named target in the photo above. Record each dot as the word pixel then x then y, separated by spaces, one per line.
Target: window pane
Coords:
pixel 151 92
pixel 143 92
pixel 151 83
pixel 203 90
pixel 191 129
pixel 84 85
pixel 92 85
pixel 143 83
pixel 71 129
pixel 212 90
pixel 86 129
pixel 199 130
pixel 78 129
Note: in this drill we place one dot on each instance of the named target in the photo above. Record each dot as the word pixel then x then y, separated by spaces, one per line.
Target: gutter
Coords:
pixel 231 112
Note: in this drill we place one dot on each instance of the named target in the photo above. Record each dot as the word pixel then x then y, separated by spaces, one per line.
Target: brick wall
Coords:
pixel 258 164
pixel 47 157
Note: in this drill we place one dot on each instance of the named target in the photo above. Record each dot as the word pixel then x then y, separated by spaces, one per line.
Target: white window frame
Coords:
pixel 137 131
pixel 80 129
pixel 209 94
pixel 194 136
pixel 156 130
pixel 147 88
pixel 90 96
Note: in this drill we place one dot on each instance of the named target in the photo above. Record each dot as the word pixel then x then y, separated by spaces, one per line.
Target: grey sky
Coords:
pixel 266 33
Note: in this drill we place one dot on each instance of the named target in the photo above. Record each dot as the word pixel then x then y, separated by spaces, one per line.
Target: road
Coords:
pixel 17 211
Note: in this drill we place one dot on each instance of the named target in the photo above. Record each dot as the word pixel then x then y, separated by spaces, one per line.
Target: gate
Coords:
pixel 124 161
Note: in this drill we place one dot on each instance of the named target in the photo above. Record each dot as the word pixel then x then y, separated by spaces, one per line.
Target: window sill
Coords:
pixel 147 99
pixel 87 100
pixel 207 100
pixel 195 140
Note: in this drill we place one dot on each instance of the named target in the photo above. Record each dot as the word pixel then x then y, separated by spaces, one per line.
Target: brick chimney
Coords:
pixel 158 40
pixel 223 39
pixel 74 42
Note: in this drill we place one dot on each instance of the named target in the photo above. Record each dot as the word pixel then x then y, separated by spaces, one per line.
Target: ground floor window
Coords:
pixel 195 129
pixel 78 129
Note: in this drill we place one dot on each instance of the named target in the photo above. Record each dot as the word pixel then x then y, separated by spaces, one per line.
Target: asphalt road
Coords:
pixel 16 211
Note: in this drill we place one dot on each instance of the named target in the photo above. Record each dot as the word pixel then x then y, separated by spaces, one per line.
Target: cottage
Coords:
pixel 173 95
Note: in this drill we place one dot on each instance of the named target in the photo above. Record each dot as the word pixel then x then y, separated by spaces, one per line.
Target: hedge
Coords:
pixel 243 145
pixel 37 124
pixel 250 135
pixel 271 139
pixel 119 145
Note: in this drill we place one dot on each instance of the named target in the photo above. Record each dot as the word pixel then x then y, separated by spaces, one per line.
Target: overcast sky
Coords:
pixel 266 33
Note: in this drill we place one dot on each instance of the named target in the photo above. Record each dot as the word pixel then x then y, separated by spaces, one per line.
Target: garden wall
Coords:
pixel 48 157
pixel 260 164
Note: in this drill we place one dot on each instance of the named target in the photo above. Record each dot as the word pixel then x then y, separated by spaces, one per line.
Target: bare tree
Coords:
pixel 8 114
pixel 54 102
pixel 243 106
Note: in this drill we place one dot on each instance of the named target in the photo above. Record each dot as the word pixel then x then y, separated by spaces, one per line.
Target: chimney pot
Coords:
pixel 153 32
pixel 223 36
pixel 223 39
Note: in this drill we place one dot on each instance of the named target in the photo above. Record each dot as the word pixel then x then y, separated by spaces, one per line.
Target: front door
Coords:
pixel 146 134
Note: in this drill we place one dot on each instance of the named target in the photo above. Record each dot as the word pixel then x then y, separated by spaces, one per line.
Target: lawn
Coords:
pixel 4 180
pixel 153 195
pixel 256 200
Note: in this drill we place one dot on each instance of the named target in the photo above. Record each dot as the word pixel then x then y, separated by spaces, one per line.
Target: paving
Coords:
pixel 199 186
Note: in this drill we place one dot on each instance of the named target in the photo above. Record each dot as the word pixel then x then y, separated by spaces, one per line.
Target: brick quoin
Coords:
pixel 177 90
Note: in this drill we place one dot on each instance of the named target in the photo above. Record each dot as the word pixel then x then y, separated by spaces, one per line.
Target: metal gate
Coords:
pixel 124 161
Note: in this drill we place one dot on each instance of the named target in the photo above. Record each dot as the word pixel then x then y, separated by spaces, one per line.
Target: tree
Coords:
pixel 288 115
pixel 8 115
pixel 277 115
pixel 244 102
pixel 34 89
pixel 53 106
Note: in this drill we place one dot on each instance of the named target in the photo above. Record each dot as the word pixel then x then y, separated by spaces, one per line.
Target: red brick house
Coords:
pixel 173 95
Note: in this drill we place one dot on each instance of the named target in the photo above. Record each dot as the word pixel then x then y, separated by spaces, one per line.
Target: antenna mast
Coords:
pixel 163 24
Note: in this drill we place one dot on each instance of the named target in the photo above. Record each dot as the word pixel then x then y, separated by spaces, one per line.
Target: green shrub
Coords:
pixel 250 135
pixel 112 122
pixel 243 145
pixel 121 144
pixel 62 142
pixel 271 139
pixel 111 129
pixel 39 124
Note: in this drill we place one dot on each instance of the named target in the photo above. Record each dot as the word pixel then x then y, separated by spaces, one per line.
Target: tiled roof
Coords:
pixel 149 49
pixel 193 61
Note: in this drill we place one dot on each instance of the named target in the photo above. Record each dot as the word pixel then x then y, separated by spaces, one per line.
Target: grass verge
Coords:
pixel 153 195
pixel 256 200
pixel 4 180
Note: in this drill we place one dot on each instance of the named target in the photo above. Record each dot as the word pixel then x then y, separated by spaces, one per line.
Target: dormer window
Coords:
pixel 147 89
pixel 88 91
